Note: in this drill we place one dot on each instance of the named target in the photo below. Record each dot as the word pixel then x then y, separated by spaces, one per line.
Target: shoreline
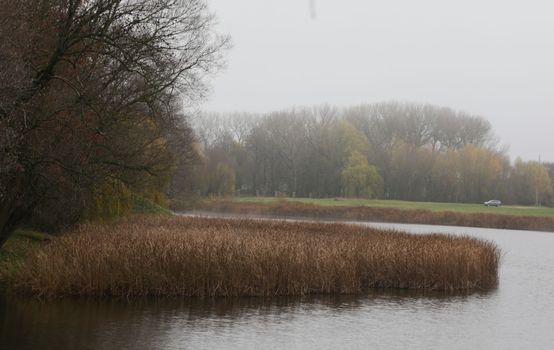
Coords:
pixel 297 210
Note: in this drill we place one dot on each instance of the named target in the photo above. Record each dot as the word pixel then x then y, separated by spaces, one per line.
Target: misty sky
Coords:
pixel 494 58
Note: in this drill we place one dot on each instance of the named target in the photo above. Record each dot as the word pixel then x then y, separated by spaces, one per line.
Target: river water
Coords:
pixel 517 315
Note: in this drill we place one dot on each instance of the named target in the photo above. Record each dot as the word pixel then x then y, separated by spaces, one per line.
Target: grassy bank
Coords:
pixel 15 251
pixel 176 256
pixel 23 241
pixel 477 208
pixel 289 208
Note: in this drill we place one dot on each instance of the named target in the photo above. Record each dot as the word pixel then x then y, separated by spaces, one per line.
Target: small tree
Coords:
pixel 530 182
pixel 360 179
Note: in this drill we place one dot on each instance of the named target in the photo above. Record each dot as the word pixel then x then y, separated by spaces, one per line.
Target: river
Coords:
pixel 517 315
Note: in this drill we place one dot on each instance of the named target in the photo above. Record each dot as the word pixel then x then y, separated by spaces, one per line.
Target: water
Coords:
pixel 517 315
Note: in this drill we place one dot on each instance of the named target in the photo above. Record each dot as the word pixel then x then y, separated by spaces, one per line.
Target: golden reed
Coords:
pixel 178 256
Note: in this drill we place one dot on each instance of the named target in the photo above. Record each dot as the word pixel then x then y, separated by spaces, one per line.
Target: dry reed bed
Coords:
pixel 177 256
pixel 413 216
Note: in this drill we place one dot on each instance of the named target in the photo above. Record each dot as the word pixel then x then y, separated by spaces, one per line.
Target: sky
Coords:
pixel 493 58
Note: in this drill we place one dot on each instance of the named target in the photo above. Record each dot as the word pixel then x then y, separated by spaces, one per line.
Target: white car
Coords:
pixel 493 203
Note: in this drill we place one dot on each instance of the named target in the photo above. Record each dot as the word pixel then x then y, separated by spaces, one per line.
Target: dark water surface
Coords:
pixel 517 315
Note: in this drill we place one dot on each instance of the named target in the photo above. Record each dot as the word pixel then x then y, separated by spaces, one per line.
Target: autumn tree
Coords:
pixel 409 171
pixel 421 152
pixel 530 182
pixel 360 179
pixel 90 96
pixel 445 182
pixel 479 170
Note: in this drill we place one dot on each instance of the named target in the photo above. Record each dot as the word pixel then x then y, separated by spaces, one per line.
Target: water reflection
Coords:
pixel 171 323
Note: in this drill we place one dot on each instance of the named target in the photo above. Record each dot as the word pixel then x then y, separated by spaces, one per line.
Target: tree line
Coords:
pixel 388 150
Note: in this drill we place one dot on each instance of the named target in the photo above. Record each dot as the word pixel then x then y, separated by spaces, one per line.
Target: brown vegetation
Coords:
pixel 413 216
pixel 177 256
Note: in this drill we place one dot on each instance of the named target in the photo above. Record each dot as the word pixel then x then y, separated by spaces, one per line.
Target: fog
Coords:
pixel 490 58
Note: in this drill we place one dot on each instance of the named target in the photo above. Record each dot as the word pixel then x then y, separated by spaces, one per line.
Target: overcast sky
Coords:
pixel 494 58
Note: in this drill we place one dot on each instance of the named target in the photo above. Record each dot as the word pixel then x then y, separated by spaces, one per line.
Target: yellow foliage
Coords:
pixel 360 179
pixel 343 138
pixel 110 200
pixel 156 196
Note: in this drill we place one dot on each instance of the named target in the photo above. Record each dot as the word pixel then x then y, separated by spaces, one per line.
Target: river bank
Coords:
pixel 292 209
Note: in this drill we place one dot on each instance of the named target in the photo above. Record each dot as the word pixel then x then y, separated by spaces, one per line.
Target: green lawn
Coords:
pixel 456 207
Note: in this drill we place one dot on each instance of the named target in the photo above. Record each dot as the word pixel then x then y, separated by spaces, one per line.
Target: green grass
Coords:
pixel 454 207
pixel 142 205
pixel 14 251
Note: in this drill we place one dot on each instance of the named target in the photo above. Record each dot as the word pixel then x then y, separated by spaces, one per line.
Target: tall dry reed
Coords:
pixel 414 216
pixel 176 256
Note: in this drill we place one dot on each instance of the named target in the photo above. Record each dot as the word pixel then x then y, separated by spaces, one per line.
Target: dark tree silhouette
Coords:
pixel 90 92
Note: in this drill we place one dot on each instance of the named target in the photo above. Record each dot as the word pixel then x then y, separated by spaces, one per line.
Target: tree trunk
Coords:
pixel 13 211
pixel 7 221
